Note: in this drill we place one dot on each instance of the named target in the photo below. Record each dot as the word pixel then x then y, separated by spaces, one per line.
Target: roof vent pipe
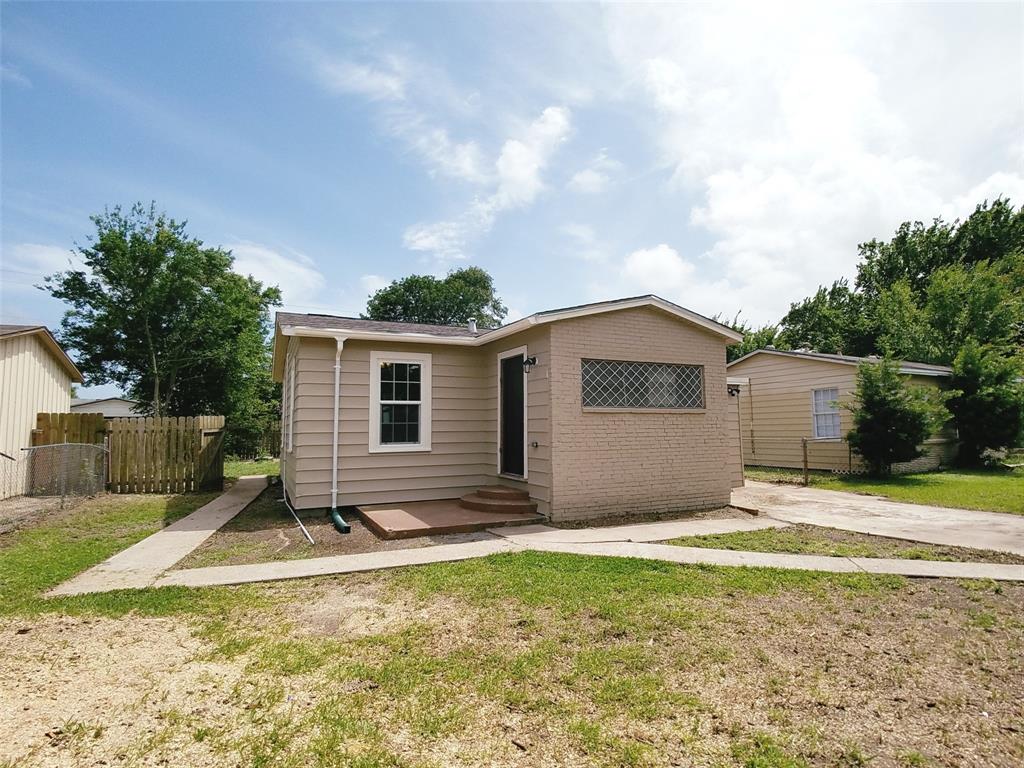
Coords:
pixel 472 325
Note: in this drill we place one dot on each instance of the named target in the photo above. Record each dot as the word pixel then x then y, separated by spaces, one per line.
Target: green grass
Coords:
pixel 993 490
pixel 236 468
pixel 39 557
pixel 609 659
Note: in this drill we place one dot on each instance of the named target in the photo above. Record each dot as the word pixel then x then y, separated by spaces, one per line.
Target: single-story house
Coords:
pixel 615 407
pixel 35 377
pixel 110 407
pixel 786 396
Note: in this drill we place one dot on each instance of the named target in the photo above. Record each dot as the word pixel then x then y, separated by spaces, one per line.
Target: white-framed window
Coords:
pixel 825 412
pixel 399 402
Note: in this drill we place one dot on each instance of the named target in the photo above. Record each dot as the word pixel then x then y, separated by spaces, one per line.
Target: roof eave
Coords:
pixel 786 353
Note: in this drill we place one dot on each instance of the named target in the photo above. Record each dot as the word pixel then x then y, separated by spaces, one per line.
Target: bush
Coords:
pixel 988 401
pixel 891 418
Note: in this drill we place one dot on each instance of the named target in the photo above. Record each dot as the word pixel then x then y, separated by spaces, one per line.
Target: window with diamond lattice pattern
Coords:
pixel 622 384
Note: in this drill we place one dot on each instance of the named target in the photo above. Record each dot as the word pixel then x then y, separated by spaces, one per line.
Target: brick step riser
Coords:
pixel 510 494
pixel 498 507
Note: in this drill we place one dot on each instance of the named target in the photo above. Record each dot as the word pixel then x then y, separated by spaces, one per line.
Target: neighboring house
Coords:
pixel 35 376
pixel 789 395
pixel 110 407
pixel 617 407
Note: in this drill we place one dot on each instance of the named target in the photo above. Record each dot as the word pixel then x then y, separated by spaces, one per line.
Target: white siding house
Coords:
pixel 35 376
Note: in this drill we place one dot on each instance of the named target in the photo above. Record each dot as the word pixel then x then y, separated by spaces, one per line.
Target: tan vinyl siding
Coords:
pixel 288 435
pixel 775 414
pixel 32 381
pixel 622 462
pixel 457 462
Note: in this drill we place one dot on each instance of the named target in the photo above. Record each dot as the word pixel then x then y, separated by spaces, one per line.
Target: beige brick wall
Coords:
pixel 631 462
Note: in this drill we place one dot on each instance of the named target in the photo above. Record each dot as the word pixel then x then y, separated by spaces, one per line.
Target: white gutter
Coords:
pixel 334 435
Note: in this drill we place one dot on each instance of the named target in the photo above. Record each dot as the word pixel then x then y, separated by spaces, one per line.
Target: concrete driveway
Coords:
pixel 872 514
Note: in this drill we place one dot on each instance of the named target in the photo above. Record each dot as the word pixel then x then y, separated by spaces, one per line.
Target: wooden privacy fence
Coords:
pixel 169 454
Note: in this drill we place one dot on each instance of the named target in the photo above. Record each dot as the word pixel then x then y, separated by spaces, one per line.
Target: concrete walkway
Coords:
pixel 324 566
pixel 147 563
pixel 820 563
pixel 141 564
pixel 1002 532
pixel 661 531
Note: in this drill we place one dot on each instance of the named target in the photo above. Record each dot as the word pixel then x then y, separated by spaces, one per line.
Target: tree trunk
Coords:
pixel 157 410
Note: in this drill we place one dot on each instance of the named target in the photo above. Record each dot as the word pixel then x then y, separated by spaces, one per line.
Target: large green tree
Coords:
pixel 754 337
pixel 832 320
pixel 452 300
pixel 924 292
pixel 987 401
pixel 164 317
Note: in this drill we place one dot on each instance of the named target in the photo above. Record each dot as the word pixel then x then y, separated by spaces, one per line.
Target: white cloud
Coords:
pixel 37 260
pixel 406 91
pixel 11 74
pixel 584 243
pixel 812 131
pixel 596 177
pixel 519 180
pixel 385 81
pixel 661 270
pixel 294 273
pixel 370 284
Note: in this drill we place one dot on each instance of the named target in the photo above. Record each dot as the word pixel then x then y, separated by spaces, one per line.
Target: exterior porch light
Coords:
pixel 528 363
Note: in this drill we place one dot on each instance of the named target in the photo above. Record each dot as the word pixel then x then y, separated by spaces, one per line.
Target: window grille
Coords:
pixel 621 384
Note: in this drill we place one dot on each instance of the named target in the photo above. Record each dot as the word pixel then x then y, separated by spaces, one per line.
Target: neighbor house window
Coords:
pixel 399 402
pixel 825 412
pixel 622 384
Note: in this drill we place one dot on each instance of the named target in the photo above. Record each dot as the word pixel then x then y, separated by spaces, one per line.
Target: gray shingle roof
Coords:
pixel 905 365
pixel 335 322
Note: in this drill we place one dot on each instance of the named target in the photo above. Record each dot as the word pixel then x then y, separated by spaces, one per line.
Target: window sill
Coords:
pixel 399 448
pixel 645 410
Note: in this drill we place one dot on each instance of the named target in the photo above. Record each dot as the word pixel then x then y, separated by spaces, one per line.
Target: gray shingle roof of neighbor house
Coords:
pixel 7 330
pixel 906 366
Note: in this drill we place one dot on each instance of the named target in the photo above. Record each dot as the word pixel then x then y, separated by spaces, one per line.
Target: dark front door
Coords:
pixel 512 438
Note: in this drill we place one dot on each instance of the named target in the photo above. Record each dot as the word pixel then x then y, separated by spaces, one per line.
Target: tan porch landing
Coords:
pixel 433 518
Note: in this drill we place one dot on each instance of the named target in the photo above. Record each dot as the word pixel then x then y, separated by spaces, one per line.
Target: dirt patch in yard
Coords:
pixel 20 511
pixel 91 691
pixel 266 531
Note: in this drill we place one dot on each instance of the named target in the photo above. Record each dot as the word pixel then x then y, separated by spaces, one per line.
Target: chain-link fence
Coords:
pixel 64 470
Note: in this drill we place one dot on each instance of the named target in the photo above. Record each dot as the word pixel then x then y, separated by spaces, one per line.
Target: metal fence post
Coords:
pixel 803 441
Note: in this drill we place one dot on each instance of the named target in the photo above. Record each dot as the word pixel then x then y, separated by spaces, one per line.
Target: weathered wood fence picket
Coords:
pixel 170 454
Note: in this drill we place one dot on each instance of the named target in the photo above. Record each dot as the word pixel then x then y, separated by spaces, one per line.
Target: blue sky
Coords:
pixel 728 157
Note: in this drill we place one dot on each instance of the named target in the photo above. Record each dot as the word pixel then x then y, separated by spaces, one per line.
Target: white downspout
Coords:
pixel 334 436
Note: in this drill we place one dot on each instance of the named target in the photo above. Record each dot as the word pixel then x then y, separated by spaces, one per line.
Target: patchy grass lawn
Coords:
pixel 528 659
pixel 235 468
pixel 991 490
pixel 816 540
pixel 63 543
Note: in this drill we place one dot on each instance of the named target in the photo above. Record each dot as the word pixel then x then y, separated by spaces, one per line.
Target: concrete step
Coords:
pixel 503 492
pixel 499 506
